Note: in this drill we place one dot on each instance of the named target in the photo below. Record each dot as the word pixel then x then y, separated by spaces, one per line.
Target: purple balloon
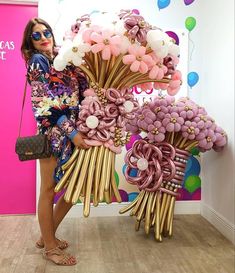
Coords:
pixel 136 11
pixel 174 36
pixel 197 194
pixel 188 2
pixel 132 140
pixel 183 195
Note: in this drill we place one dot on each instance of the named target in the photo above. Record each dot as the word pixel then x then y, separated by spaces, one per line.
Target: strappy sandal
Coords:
pixel 59 257
pixel 62 244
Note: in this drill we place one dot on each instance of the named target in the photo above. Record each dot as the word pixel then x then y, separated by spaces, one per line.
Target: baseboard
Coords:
pixel 181 207
pixel 219 222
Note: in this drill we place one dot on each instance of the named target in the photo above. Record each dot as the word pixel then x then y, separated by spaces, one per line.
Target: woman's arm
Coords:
pixel 51 99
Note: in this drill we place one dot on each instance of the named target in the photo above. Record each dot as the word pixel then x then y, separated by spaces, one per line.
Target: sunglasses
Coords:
pixel 36 36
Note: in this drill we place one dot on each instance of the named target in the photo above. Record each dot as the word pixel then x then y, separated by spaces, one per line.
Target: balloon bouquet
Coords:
pixel 122 52
pixel 173 129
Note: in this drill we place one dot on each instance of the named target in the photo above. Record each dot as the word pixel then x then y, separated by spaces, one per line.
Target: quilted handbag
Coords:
pixel 31 147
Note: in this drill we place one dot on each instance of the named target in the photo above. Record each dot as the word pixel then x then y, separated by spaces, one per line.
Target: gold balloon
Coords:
pixel 73 180
pixel 82 176
pixel 64 179
pixel 71 159
pixel 98 174
pixel 103 175
pixel 91 170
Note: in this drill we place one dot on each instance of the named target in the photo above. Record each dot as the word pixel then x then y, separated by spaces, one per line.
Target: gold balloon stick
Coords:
pixel 163 203
pixel 71 159
pixel 140 198
pixel 153 219
pixel 82 176
pixel 99 162
pixel 73 180
pixel 107 197
pixel 102 73
pixel 148 213
pixel 113 71
pixel 142 207
pixel 113 182
pixel 103 175
pixel 157 224
pixel 171 212
pixel 154 202
pixel 64 179
pixel 137 225
pixel 132 204
pixel 108 170
pixel 96 64
pixel 168 199
pixel 86 209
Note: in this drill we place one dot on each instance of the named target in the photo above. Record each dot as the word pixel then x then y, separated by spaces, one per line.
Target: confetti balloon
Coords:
pixel 183 195
pixel 133 138
pixel 136 11
pixel 190 23
pixel 197 194
pixel 163 3
pixel 116 178
pixel 195 151
pixel 124 195
pixel 192 78
pixel 192 183
pixel 188 2
pixel 174 36
pixel 132 196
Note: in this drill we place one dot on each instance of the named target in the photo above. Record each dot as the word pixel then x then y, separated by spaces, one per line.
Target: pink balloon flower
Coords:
pixel 107 43
pixel 175 83
pixel 137 58
pixel 173 122
pixel 137 27
pixel 190 130
pixel 146 118
pixel 206 139
pixel 156 132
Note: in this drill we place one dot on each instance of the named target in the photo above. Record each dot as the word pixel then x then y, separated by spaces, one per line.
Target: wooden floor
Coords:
pixel 110 245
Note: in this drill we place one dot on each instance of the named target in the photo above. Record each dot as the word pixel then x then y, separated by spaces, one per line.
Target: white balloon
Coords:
pixel 128 105
pixel 59 63
pixel 174 50
pixel 92 122
pixel 142 164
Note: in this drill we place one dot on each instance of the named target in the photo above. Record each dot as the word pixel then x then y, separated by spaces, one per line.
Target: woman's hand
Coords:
pixel 78 141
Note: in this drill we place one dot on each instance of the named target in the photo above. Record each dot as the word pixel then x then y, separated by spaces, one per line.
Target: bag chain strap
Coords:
pixel 23 102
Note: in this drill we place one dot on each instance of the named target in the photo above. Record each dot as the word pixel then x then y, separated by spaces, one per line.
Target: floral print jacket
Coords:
pixel 55 101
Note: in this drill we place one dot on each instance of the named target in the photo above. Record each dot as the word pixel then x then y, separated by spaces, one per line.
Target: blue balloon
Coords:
pixel 132 173
pixel 192 78
pixel 193 166
pixel 163 3
pixel 132 196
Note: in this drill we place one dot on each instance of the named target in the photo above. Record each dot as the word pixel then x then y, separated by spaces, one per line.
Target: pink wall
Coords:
pixel 17 179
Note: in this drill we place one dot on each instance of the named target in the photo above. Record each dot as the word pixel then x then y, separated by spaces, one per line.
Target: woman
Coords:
pixel 55 100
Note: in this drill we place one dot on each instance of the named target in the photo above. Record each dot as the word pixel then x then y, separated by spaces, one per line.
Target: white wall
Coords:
pixel 215 64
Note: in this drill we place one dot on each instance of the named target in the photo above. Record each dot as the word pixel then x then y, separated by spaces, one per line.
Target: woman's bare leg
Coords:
pixel 45 203
pixel 45 213
pixel 60 210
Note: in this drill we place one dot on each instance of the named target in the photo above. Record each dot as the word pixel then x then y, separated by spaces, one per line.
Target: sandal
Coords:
pixel 62 244
pixel 59 257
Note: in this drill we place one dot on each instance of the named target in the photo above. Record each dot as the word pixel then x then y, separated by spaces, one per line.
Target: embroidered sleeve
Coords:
pixel 52 96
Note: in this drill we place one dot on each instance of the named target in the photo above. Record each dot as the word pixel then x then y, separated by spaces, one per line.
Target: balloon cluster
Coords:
pixel 115 52
pixel 121 50
pixel 173 129
pixel 182 121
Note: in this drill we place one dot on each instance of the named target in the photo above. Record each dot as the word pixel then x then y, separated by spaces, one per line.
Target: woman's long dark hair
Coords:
pixel 27 48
